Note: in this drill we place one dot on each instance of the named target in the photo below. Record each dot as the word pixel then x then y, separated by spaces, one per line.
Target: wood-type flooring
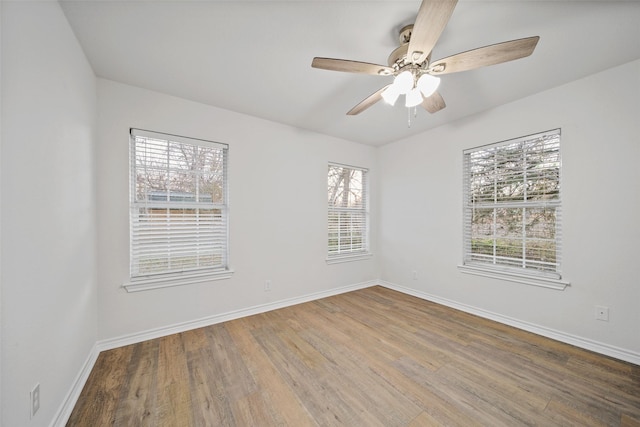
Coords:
pixel 371 357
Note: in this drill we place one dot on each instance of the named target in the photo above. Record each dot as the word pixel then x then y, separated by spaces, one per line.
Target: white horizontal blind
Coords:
pixel 512 210
pixel 178 208
pixel 348 210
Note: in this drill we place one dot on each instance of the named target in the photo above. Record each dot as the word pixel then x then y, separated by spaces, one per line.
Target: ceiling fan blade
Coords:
pixel 367 102
pixel 430 22
pixel 351 66
pixel 434 103
pixel 483 56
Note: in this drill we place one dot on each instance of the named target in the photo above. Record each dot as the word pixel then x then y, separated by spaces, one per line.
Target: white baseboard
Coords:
pixel 64 412
pixel 224 317
pixel 598 347
pixel 69 402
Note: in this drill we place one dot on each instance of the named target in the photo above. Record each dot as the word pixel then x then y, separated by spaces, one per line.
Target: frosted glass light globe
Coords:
pixel 390 94
pixel 403 82
pixel 428 84
pixel 414 97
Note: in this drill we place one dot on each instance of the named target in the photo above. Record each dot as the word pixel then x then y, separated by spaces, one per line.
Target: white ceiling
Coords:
pixel 254 57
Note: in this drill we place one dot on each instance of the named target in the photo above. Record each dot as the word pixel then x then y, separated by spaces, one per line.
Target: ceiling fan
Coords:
pixel 415 76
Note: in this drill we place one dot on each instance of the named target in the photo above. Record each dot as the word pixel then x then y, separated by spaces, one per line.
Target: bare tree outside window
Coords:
pixel 512 204
pixel 174 168
pixel 178 210
pixel 348 210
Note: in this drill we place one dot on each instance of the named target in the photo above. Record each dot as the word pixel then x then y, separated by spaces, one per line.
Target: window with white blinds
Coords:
pixel 178 205
pixel 348 211
pixel 512 209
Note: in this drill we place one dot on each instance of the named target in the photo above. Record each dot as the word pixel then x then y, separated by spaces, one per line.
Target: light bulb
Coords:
pixel 428 84
pixel 390 94
pixel 403 82
pixel 414 97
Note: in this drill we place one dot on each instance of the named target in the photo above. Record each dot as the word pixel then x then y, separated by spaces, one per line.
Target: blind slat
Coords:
pixel 348 214
pixel 178 211
pixel 512 207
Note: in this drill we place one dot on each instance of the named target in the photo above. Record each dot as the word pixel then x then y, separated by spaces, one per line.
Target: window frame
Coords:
pixel 498 270
pixel 351 255
pixel 139 281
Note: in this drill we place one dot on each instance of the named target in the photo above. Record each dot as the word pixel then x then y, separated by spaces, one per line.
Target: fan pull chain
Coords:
pixel 415 114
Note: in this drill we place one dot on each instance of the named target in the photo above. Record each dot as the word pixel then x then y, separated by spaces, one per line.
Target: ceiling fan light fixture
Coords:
pixel 415 75
pixel 403 82
pixel 428 84
pixel 414 97
pixel 390 94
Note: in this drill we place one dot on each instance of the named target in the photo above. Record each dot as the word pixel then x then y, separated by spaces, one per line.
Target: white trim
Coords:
pixel 150 240
pixel 143 133
pixel 166 281
pixel 70 400
pixel 348 258
pixel 550 140
pixel 137 337
pixel 527 279
pixel 64 412
pixel 550 132
pixel 66 408
pixel 359 213
pixel 588 344
pixel 343 165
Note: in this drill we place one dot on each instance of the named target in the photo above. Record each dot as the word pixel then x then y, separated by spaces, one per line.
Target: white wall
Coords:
pixel 278 211
pixel 48 242
pixel 421 208
pixel 61 285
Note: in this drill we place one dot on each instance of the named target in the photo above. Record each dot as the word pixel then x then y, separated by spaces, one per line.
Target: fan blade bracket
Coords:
pixel 417 57
pixel 437 68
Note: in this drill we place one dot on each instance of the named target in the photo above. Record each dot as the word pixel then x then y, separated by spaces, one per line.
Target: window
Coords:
pixel 178 210
pixel 512 208
pixel 348 213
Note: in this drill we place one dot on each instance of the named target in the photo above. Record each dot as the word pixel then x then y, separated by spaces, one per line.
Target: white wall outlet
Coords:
pixel 34 398
pixel 267 285
pixel 602 313
pixel 414 275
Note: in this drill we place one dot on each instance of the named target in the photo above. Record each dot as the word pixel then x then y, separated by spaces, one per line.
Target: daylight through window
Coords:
pixel 512 205
pixel 178 208
pixel 348 211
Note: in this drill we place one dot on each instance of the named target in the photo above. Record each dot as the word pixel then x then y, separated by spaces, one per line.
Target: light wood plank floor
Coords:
pixel 373 357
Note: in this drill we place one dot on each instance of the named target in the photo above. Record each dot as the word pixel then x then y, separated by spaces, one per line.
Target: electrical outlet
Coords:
pixel 267 285
pixel 34 397
pixel 414 275
pixel 602 313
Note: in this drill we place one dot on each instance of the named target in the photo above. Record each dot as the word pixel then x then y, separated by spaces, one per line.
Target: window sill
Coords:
pixel 166 281
pixel 348 258
pixel 545 282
